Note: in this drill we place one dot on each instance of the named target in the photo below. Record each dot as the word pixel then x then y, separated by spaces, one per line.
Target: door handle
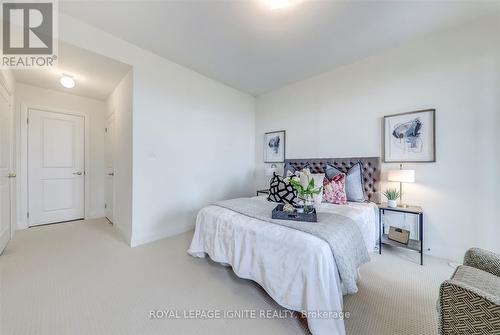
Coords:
pixel 12 175
pixel 111 174
pixel 78 173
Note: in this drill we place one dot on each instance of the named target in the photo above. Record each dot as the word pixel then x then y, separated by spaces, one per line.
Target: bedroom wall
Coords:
pixel 339 114
pixel 193 145
pixel 28 95
pixel 192 137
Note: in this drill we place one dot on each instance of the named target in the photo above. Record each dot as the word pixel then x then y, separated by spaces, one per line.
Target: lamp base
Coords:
pixel 401 204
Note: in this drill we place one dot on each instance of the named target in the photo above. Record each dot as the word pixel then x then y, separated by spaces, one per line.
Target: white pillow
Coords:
pixel 318 181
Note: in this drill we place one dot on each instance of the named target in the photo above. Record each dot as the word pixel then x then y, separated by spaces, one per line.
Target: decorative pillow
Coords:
pixel 334 190
pixel 282 191
pixel 290 168
pixel 318 182
pixel 305 175
pixel 354 184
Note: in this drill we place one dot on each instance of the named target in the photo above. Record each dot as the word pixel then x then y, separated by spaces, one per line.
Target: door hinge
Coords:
pixel 105 130
pixel 105 205
pixel 27 120
pixel 28 215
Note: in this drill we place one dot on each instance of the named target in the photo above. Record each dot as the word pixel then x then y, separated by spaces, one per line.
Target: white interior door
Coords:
pixel 56 175
pixel 5 169
pixel 109 143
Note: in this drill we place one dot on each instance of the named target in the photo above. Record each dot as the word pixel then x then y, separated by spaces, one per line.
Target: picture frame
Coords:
pixel 274 146
pixel 410 137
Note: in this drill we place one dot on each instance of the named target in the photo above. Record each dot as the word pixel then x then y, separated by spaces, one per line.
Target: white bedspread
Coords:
pixel 295 268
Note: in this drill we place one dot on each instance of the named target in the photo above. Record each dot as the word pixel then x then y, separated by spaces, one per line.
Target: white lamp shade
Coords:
pixel 401 176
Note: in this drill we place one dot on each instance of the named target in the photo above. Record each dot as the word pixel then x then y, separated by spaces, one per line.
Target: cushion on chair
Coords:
pixel 478 279
pixel 483 260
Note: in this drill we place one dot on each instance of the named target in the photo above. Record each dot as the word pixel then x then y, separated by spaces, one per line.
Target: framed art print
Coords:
pixel 410 137
pixel 274 147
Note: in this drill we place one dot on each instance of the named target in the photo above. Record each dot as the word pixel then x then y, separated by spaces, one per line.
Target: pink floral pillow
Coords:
pixel 334 190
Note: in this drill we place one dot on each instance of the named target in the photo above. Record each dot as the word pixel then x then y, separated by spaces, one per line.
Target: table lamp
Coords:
pixel 401 176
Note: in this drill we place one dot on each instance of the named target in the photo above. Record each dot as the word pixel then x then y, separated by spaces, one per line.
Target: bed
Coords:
pixel 297 269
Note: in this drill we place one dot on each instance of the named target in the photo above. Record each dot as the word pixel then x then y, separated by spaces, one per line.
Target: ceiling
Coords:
pixel 96 76
pixel 247 46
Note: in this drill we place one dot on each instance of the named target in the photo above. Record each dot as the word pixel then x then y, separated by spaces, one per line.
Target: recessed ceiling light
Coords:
pixel 280 4
pixel 67 81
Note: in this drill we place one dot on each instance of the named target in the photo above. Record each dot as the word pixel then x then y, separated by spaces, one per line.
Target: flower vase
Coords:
pixel 308 204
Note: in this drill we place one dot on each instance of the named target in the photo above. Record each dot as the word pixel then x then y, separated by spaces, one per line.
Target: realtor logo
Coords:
pixel 28 34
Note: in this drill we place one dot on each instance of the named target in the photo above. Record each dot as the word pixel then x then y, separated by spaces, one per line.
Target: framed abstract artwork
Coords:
pixel 410 137
pixel 274 147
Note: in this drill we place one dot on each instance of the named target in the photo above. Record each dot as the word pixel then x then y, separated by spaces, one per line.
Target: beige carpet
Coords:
pixel 80 278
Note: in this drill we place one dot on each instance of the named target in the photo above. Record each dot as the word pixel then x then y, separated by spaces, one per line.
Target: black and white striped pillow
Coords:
pixel 281 191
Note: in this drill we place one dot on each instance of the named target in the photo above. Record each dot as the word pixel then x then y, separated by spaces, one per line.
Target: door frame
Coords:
pixel 23 168
pixel 7 94
pixel 106 119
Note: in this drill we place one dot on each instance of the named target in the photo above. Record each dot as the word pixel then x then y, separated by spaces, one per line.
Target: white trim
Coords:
pixel 155 236
pixel 3 83
pixel 6 93
pixel 113 151
pixel 23 168
pixel 122 234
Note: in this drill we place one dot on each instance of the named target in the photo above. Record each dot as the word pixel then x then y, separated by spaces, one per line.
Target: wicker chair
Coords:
pixel 469 303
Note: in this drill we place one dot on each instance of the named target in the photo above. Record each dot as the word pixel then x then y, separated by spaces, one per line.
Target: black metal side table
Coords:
pixel 266 191
pixel 416 245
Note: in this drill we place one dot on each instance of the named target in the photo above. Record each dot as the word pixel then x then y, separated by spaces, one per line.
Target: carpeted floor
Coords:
pixel 80 278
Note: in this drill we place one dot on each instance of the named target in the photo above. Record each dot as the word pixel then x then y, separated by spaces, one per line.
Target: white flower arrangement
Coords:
pixel 303 183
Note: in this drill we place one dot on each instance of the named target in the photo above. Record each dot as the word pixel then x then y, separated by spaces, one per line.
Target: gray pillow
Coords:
pixel 354 187
pixel 292 169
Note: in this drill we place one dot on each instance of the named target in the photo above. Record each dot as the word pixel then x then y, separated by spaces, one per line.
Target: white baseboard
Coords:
pixel 122 234
pixel 148 238
pixel 21 225
pixel 96 215
pixel 449 253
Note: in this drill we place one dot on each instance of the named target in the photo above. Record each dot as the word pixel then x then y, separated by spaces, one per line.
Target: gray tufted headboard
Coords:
pixel 371 170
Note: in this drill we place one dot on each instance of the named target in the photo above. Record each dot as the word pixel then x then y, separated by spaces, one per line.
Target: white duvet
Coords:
pixel 295 268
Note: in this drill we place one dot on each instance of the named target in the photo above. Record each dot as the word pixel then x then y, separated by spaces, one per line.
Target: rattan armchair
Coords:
pixel 469 302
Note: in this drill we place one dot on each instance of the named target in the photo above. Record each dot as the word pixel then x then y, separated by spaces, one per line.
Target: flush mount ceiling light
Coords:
pixel 67 81
pixel 280 4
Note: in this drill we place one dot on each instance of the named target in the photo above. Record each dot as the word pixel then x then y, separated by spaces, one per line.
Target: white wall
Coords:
pixel 193 137
pixel 120 103
pixel 339 114
pixel 193 145
pixel 94 110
